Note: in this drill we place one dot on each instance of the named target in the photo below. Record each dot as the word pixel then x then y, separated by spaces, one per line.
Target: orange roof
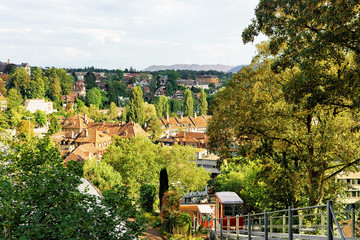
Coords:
pixel 76 122
pixel 111 129
pixel 132 129
pixel 82 152
pixel 101 140
pixel 59 136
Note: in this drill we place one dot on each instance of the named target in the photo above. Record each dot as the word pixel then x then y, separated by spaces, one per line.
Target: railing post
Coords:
pixel 249 226
pixel 228 227
pixel 352 221
pixel 323 223
pixel 237 226
pixel 221 228
pixel 284 223
pixel 215 226
pixel 271 224
pixel 266 235
pixel 329 221
pixel 300 221
pixel 290 223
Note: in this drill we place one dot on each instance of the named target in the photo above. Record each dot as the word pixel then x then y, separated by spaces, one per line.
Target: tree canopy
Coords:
pixel 298 143
pixel 188 103
pixel 135 110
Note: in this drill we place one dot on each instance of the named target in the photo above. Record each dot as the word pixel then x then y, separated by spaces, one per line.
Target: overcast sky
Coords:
pixel 119 34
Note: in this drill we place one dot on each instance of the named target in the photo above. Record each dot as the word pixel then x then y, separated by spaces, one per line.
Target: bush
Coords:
pixel 183 224
pixel 170 209
pixel 147 197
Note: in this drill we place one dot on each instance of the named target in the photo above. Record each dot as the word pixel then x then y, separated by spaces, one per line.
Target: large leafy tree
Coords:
pixel 54 87
pixel 188 103
pixel 90 80
pixel 139 167
pixel 20 80
pixel 322 39
pixel 299 143
pixel 2 87
pixel 39 199
pixel 37 85
pixel 66 82
pixel 93 96
pixel 135 110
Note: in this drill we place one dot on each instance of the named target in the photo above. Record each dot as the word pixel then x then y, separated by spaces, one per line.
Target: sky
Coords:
pixel 117 34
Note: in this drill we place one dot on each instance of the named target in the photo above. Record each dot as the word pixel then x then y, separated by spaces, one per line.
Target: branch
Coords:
pixel 341 169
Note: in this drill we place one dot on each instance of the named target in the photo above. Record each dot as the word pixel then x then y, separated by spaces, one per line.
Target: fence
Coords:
pixel 315 222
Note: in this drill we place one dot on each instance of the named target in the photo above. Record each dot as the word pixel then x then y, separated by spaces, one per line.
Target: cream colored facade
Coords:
pixel 353 180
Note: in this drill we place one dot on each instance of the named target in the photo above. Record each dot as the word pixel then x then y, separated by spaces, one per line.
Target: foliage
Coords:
pixel 183 224
pixel 139 167
pixel 298 143
pixel 75 167
pixel 135 110
pixel 113 111
pixel 147 197
pixel 90 81
pixel 203 103
pixel 54 126
pixel 175 105
pixel 188 103
pixel 93 96
pixel 53 87
pixel 37 85
pixel 66 82
pixel 163 186
pixel 39 199
pixel 101 174
pixel 40 117
pixel 2 88
pixel 20 80
pixel 162 106
pixel 170 209
pixel 25 128
pixel 149 113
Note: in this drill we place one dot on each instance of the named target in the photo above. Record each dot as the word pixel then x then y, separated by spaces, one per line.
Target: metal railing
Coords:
pixel 315 223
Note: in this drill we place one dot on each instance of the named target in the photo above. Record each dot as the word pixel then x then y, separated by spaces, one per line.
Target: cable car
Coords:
pixel 229 204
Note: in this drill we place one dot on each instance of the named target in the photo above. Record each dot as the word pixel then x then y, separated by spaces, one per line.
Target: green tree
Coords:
pixel 135 110
pixel 54 87
pixel 40 117
pixel 163 186
pixel 113 111
pixel 37 85
pixel 3 121
pixel 14 99
pixel 53 207
pixel 175 105
pixel 203 103
pixel 188 103
pixel 162 106
pixel 90 80
pixel 147 197
pixel 298 141
pixel 170 209
pixel 54 126
pixel 93 96
pixel 101 174
pixel 20 80
pixel 171 84
pixel 150 112
pixel 66 82
pixel 79 103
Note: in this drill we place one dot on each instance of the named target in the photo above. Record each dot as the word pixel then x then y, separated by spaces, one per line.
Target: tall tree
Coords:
pixel 135 110
pixel 164 184
pixel 93 96
pixel 37 85
pixel 188 103
pixel 54 89
pixel 66 82
pixel 90 80
pixel 2 87
pixel 20 80
pixel 113 111
pixel 308 144
pixel 162 106
pixel 203 103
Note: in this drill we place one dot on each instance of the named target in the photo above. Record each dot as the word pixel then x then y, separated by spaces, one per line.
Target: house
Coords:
pixel 75 123
pixel 82 152
pixel 3 102
pixel 79 88
pixel 178 95
pixel 207 79
pixel 101 140
pixel 69 99
pixel 132 129
pixel 24 65
pixel 353 182
pixel 194 139
pixel 33 105
pixel 160 92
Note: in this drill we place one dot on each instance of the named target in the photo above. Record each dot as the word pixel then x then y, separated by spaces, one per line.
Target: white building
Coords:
pixel 39 104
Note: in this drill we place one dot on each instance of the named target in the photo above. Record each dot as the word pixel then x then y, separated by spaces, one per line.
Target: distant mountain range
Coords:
pixel 195 67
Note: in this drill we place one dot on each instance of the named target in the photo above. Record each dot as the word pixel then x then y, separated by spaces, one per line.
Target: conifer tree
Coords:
pixel 135 111
pixel 203 103
pixel 188 103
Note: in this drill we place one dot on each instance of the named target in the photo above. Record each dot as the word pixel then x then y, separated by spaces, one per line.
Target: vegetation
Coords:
pixel 39 199
pixel 147 197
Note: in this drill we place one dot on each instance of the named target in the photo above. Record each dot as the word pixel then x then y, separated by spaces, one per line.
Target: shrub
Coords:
pixel 147 197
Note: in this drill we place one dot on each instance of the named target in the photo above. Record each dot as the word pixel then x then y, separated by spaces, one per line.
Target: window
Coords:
pixel 228 210
pixel 353 194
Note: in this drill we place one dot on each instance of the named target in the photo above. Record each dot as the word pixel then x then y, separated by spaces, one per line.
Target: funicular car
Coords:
pixel 229 206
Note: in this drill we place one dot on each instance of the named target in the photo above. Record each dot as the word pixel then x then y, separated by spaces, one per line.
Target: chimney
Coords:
pixel 85 118
pixel 86 133
pixel 195 115
pixel 8 61
pixel 72 134
pixel 167 116
pixel 181 117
